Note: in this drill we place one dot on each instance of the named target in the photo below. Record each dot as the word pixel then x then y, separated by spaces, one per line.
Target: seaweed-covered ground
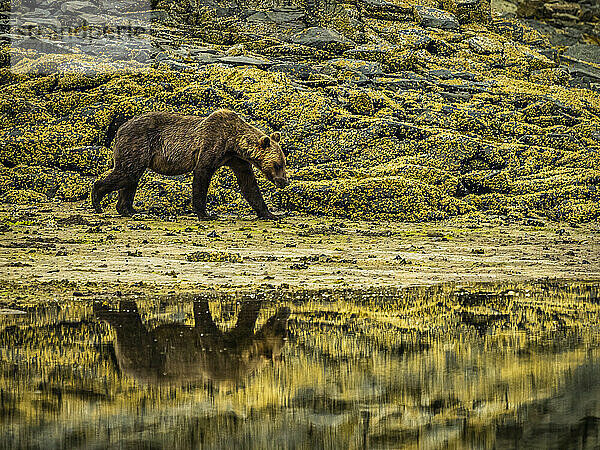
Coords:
pixel 59 250
pixel 413 111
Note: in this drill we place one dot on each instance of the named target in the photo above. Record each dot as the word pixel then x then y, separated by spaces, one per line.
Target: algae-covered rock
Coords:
pixel 51 183
pixel 215 256
pixel 372 198
pixel 469 11
pixel 389 110
pixel 435 18
pixel 485 45
pixel 88 160
pixel 323 39
pixel 24 197
pixel 164 196
pixel 384 10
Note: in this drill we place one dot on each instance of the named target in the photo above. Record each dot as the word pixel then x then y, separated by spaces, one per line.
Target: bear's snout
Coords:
pixel 281 182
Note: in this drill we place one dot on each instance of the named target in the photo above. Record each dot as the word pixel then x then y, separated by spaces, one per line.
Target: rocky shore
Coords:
pixel 406 110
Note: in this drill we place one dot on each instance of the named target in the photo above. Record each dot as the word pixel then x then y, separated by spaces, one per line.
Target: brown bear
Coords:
pixel 174 144
pixel 178 354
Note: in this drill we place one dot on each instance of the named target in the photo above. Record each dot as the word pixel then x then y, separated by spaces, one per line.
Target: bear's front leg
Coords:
pixel 200 184
pixel 250 190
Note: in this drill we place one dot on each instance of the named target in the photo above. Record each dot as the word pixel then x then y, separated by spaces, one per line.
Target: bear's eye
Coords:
pixel 277 166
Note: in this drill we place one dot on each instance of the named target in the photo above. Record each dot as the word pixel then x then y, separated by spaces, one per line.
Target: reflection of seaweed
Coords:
pixel 175 352
pixel 366 368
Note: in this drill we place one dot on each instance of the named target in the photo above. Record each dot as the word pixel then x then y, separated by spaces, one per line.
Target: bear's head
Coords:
pixel 273 160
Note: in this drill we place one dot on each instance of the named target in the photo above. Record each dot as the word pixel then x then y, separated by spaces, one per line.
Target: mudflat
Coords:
pixel 54 243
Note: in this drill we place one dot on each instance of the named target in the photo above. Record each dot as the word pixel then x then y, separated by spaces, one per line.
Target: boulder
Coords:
pixel 367 68
pixel 323 39
pixel 383 10
pixel 78 7
pixel 584 52
pixel 243 60
pixel 286 16
pixel 41 45
pixel 447 74
pixel 23 197
pixel 435 18
pixel 415 38
pixel 471 11
pixel 484 45
pixel 295 70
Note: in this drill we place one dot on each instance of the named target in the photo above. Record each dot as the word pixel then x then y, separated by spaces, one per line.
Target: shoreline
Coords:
pixel 67 243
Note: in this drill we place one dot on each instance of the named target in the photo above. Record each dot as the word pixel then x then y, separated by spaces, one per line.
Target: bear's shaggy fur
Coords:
pixel 173 144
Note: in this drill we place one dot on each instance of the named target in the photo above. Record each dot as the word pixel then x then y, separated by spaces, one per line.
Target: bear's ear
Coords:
pixel 264 142
pixel 276 136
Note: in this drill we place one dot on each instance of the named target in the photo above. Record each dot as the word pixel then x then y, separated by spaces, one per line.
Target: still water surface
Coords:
pixel 494 366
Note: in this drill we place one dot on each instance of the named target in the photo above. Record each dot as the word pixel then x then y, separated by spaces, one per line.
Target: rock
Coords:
pixel 484 45
pixel 566 37
pixel 77 7
pixel 393 59
pixel 146 16
pixel 440 47
pixel 401 130
pixel 470 11
pixel 323 39
pixel 236 50
pixel 320 80
pixel 435 18
pixel 41 45
pixel 24 196
pixel 87 160
pixel 553 140
pixel 91 19
pixel 33 22
pixel 38 12
pixel 392 82
pixel 414 38
pixel 8 311
pixel 555 76
pixel 295 70
pixel 295 51
pixel 197 57
pixel 367 68
pixel 368 53
pixel 258 16
pixel 584 74
pixel 446 74
pixel 584 52
pixel 174 65
pixel 359 102
pixel 245 61
pixel 383 10
pixel 562 12
pixel 286 16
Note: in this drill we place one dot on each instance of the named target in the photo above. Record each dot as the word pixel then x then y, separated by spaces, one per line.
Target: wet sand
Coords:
pixel 68 243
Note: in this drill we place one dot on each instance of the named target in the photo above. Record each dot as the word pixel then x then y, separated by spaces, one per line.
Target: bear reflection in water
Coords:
pixel 175 353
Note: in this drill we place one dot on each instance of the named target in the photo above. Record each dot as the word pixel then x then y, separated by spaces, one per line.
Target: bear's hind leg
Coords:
pixel 126 196
pixel 112 182
pixel 200 184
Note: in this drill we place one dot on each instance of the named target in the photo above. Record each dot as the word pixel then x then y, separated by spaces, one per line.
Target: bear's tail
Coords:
pixel 112 129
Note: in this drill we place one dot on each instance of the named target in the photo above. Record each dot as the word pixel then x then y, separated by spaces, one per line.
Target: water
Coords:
pixel 496 366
